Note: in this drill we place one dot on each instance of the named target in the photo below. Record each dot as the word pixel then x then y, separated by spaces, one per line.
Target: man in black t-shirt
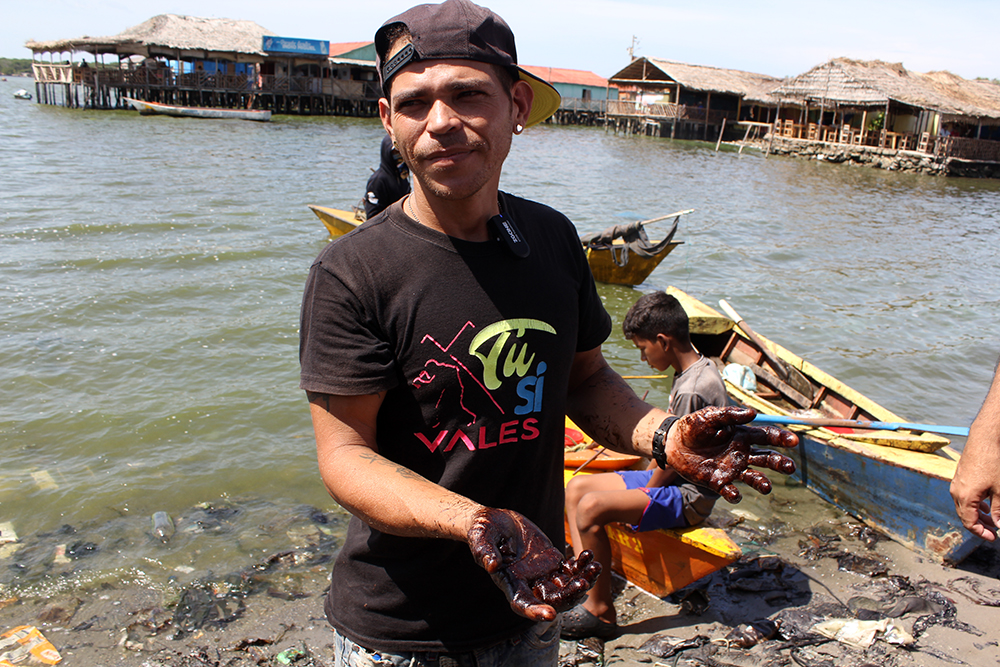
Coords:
pixel 442 345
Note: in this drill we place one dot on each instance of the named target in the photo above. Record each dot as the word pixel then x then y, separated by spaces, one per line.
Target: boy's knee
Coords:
pixel 574 491
pixel 588 512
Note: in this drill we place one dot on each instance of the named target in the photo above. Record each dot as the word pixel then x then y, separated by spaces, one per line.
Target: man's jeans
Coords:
pixel 538 647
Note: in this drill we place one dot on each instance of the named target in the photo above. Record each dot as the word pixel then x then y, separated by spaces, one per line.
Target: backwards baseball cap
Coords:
pixel 462 30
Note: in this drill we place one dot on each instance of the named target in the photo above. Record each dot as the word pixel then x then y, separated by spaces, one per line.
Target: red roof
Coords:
pixel 345 47
pixel 560 75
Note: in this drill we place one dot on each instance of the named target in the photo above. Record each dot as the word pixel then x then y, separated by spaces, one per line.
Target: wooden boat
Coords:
pixel 609 262
pixel 583 453
pixel 148 108
pixel 338 221
pixel 659 561
pixel 22 94
pixel 895 481
pixel 624 255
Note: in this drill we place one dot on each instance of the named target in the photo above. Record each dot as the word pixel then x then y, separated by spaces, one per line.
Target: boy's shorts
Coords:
pixel 671 506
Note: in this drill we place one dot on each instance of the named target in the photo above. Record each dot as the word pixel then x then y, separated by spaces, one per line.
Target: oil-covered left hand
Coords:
pixel 537 580
pixel 713 447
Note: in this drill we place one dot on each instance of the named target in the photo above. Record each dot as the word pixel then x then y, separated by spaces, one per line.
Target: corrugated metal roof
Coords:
pixel 346 47
pixel 572 76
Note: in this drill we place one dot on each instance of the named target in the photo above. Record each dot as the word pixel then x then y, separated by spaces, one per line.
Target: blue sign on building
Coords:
pixel 311 47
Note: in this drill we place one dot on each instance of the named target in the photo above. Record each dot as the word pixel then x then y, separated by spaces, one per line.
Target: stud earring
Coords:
pixel 518 129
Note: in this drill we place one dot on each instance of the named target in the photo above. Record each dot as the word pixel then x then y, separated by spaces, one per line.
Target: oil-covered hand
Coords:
pixel 712 447
pixel 537 580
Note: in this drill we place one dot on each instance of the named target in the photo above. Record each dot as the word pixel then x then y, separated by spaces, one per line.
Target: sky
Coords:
pixel 780 38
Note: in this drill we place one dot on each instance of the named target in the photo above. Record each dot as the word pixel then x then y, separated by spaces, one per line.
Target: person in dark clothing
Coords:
pixel 389 183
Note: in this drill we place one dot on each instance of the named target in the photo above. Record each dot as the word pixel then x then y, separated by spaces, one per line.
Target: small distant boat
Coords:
pixel 624 254
pixel 895 481
pixel 149 108
pixel 22 94
pixel 657 561
pixel 338 221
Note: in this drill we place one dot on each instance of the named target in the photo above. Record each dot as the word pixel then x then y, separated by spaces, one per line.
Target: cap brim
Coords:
pixel 547 99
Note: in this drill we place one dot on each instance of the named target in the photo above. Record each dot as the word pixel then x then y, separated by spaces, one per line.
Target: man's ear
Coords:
pixel 664 341
pixel 522 96
pixel 385 114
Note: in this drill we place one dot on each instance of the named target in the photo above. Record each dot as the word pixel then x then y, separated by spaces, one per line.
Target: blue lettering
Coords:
pixel 524 390
pixel 530 389
pixel 539 386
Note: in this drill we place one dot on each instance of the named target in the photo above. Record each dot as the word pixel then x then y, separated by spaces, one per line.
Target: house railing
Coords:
pixel 580 104
pixel 667 112
pixel 984 150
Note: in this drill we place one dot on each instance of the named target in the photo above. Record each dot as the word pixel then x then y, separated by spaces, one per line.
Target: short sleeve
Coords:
pixel 342 350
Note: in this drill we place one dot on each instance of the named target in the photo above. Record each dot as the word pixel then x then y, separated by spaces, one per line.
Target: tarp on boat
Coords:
pixel 634 239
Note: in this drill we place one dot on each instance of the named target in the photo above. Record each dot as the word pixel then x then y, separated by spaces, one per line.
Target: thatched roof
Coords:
pixel 875 83
pixel 657 73
pixel 167 34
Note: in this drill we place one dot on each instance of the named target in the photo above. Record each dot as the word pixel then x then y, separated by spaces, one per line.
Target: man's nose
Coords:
pixel 442 117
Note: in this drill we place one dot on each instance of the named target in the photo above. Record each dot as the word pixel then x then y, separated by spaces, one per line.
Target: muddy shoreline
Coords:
pixel 797 570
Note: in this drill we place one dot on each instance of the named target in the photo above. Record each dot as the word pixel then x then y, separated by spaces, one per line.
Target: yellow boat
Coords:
pixel 657 561
pixel 624 255
pixel 612 261
pixel 338 221
pixel 896 481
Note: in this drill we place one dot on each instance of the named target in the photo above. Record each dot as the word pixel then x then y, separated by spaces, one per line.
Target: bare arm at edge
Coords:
pixel 975 487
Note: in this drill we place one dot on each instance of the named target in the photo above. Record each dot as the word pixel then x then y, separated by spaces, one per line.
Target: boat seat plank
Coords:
pixel 786 390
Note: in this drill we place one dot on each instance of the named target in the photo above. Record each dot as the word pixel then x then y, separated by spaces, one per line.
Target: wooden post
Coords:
pixel 719 142
pixel 743 143
pixel 708 108
pixel 777 117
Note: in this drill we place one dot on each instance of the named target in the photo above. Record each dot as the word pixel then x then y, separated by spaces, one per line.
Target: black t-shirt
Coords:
pixel 474 348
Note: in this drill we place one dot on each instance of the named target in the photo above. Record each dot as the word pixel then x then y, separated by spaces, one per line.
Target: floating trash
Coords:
pixel 862 634
pixel 206 604
pixel 163 526
pixel 8 540
pixel 665 646
pixel 44 480
pixel 748 635
pixel 26 642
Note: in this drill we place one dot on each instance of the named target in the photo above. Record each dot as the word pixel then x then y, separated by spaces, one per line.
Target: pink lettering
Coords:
pixel 459 435
pixel 483 444
pixel 432 445
pixel 508 433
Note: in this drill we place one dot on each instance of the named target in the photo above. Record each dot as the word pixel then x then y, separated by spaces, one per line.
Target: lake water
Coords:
pixel 151 271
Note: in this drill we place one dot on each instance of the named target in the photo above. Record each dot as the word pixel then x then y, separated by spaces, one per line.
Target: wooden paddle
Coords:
pixel 856 423
pixel 664 217
pixel 786 372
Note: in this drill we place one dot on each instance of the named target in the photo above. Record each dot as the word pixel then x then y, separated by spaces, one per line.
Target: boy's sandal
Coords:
pixel 578 623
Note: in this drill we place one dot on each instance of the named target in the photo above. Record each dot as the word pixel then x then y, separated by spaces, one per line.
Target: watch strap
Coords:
pixel 659 441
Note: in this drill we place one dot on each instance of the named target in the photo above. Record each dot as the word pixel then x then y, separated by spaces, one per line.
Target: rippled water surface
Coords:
pixel 151 270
